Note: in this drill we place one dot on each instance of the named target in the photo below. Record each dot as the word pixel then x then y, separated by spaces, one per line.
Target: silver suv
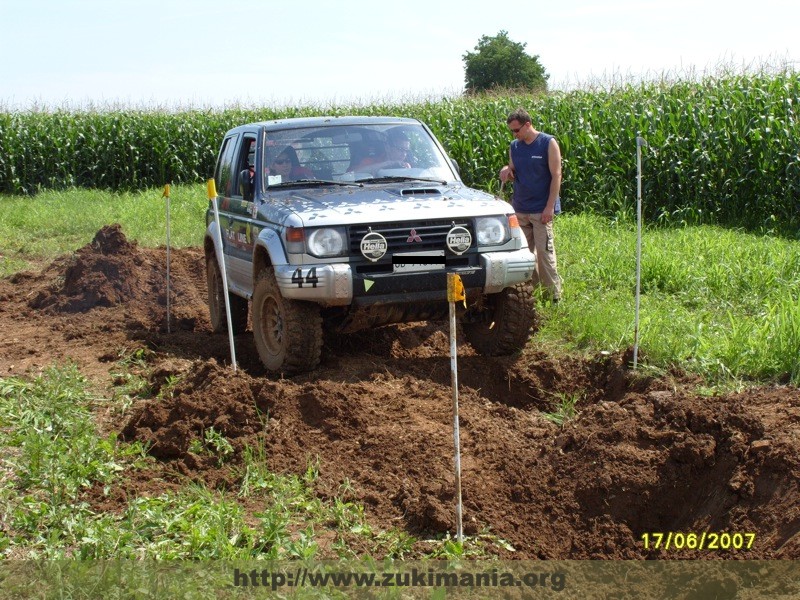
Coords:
pixel 350 223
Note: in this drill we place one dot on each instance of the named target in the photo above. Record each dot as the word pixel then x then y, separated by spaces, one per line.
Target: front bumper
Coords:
pixel 339 284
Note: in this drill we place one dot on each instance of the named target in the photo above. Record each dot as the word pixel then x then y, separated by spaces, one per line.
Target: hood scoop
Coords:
pixel 420 192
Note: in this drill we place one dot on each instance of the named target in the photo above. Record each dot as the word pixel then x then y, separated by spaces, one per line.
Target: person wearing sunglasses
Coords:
pixel 287 165
pixel 534 168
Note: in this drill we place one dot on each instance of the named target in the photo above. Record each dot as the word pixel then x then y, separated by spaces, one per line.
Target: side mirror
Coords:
pixel 245 188
pixel 455 166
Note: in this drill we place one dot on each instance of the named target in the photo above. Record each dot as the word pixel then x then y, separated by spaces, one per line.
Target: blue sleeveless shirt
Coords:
pixel 532 175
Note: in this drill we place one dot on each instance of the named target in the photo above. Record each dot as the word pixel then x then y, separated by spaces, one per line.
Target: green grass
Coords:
pixel 52 454
pixel 57 222
pixel 716 301
pixel 564 409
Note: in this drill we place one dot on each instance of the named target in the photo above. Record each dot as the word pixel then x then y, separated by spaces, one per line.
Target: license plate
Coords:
pixel 412 262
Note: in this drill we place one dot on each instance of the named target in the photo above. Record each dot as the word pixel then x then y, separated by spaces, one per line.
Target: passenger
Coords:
pixel 287 165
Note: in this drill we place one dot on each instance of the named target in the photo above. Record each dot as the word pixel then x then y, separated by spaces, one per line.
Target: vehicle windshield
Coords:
pixel 354 153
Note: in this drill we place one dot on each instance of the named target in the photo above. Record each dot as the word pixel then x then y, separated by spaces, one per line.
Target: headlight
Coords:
pixel 325 242
pixel 491 231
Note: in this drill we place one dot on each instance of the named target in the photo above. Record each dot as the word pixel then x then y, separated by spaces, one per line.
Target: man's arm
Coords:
pixel 507 172
pixel 554 163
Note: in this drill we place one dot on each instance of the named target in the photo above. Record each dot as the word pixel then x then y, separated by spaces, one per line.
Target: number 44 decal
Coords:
pixel 310 278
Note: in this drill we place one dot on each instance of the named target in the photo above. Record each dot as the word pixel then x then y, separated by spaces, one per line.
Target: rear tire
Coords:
pixel 503 324
pixel 287 333
pixel 216 302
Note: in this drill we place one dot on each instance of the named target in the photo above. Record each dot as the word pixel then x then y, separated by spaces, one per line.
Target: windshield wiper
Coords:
pixel 396 178
pixel 312 182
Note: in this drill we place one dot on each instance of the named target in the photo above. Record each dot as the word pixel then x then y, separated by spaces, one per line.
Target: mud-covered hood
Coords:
pixel 379 203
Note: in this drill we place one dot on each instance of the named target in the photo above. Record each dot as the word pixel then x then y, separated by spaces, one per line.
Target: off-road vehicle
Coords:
pixel 350 223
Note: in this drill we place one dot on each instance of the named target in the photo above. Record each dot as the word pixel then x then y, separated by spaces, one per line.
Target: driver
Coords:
pixel 397 149
pixel 395 157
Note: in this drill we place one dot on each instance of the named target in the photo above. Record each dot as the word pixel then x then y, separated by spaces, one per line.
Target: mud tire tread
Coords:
pixel 514 314
pixel 301 346
pixel 216 303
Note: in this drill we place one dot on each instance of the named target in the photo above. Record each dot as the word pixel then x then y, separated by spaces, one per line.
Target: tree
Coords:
pixel 501 62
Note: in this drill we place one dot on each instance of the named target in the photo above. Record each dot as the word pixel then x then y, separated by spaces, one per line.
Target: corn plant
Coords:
pixel 722 149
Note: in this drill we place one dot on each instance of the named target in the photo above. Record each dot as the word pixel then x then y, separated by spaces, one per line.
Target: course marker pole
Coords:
pixel 640 141
pixel 166 195
pixel 211 187
pixel 455 293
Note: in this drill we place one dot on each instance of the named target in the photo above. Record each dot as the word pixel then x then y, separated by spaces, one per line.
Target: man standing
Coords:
pixel 534 165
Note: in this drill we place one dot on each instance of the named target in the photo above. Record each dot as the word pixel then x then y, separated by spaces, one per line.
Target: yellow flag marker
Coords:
pixel 211 188
pixel 455 292
pixel 455 289
pixel 166 192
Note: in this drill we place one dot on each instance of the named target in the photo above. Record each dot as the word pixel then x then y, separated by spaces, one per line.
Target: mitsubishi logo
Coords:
pixel 413 237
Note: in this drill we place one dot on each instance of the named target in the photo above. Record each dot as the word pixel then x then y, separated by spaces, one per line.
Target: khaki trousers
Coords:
pixel 542 244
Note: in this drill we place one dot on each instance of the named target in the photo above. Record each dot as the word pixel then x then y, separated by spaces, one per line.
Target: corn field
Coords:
pixel 721 150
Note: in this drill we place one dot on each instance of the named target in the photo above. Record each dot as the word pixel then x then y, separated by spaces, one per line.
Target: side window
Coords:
pixel 225 167
pixel 245 165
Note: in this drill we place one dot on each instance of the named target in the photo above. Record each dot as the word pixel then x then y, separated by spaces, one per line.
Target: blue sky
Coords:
pixel 211 53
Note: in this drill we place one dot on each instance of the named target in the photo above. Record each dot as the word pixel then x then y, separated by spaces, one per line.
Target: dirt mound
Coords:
pixel 106 272
pixel 562 456
pixel 112 271
pixel 208 398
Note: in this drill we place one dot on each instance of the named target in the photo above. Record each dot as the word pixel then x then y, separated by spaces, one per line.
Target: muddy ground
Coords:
pixel 644 454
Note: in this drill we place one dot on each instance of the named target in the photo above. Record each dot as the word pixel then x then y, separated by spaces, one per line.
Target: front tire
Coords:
pixel 216 302
pixel 502 325
pixel 287 333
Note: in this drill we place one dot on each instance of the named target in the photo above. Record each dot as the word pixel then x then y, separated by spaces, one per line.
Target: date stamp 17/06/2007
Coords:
pixel 706 540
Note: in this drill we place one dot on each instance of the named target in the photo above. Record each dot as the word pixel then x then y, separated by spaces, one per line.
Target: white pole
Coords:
pixel 639 143
pixel 455 291
pixel 166 194
pixel 212 195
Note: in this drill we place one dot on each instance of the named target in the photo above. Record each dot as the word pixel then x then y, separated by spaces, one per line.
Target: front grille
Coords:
pixel 432 234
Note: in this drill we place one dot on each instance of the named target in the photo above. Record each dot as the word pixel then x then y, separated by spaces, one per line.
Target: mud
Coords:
pixel 641 455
